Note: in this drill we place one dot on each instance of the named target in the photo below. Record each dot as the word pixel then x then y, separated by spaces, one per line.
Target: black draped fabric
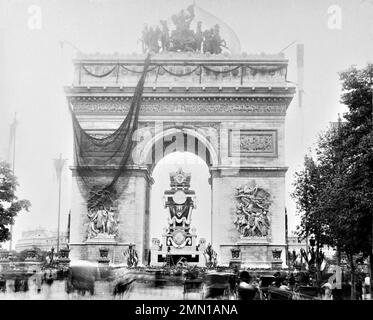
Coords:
pixel 100 162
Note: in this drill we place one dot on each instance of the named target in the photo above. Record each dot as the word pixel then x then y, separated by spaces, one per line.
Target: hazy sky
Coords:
pixel 34 69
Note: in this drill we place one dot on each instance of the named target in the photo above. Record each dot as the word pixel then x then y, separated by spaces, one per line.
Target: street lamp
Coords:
pixel 59 164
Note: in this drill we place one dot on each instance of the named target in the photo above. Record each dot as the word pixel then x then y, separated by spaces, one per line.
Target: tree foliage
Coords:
pixel 334 190
pixel 10 206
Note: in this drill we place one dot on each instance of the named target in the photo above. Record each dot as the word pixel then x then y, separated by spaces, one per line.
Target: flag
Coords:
pixel 59 164
pixel 300 69
pixel 12 139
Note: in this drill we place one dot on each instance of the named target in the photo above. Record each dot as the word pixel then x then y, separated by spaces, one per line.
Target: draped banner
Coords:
pixel 92 155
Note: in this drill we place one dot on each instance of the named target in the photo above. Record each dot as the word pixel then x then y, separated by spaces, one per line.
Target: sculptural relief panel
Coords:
pixel 252 143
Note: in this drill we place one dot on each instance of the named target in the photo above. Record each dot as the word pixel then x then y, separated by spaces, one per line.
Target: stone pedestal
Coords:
pixel 63 259
pixel 179 240
pixel 133 216
pixel 276 259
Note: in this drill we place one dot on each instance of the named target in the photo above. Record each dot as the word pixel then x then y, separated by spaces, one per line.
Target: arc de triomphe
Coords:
pixel 229 110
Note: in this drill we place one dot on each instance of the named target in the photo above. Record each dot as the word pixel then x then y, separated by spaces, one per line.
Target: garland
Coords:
pixel 217 71
pixel 256 69
pixel 99 75
pixel 180 75
pixel 135 71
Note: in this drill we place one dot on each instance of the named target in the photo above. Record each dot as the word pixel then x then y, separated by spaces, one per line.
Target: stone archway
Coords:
pixel 234 110
pixel 176 138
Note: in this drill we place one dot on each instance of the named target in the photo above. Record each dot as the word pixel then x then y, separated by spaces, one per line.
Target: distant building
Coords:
pixel 42 239
pixel 294 243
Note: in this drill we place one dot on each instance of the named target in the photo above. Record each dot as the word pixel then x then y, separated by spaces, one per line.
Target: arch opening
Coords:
pixel 200 177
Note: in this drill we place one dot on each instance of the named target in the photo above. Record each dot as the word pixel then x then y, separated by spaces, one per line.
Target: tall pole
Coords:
pixel 59 164
pixel 59 213
pixel 371 253
pixel 13 135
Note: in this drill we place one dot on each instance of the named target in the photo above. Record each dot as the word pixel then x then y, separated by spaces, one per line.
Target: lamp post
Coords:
pixel 59 164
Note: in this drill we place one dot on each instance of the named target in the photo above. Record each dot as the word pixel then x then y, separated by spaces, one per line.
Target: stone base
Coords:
pixel 252 255
pixel 102 239
pixel 194 258
pixel 103 260
pixel 90 251
pixel 235 264
pixel 276 264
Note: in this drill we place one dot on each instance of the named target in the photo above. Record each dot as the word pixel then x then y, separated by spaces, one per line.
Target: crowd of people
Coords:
pixel 27 284
pixel 81 282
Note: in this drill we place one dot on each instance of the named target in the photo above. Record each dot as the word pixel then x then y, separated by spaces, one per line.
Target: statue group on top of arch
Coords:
pixel 183 39
pixel 252 210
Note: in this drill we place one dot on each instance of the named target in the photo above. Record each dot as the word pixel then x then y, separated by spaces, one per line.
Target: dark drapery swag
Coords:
pixel 110 153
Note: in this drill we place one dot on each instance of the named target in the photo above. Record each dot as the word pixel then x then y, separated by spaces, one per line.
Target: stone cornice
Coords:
pixel 182 58
pixel 199 92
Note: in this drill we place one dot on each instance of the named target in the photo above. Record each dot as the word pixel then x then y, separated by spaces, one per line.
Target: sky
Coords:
pixel 34 68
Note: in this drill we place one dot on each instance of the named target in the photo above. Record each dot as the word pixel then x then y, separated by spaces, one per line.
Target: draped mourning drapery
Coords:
pixel 111 153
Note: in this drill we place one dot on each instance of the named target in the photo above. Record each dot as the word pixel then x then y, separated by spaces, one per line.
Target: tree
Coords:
pixel 334 192
pixel 10 206
pixel 308 196
pixel 355 142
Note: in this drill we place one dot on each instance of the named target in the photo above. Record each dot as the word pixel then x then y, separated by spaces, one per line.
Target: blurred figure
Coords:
pixel 123 286
pixel 38 281
pixel 2 284
pixel 291 282
pixel 17 284
pixel 359 289
pixel 284 285
pixel 277 281
pixel 81 278
pixel 366 286
pixel 246 291
pixel 327 291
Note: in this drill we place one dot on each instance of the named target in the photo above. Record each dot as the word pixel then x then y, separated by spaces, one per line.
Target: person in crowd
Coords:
pixel 291 282
pixel 246 290
pixel 2 284
pixel 366 285
pixel 277 281
pixel 327 291
pixel 284 285
pixel 359 289
pixel 37 279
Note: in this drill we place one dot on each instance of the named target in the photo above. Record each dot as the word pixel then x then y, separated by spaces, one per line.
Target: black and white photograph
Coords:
pixel 205 150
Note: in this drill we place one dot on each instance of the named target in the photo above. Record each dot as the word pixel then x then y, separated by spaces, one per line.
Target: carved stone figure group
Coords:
pixel 102 221
pixel 252 211
pixel 182 38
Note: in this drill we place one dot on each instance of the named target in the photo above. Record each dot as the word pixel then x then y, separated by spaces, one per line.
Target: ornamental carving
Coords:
pixel 276 254
pixel 255 143
pixel 252 211
pixel 248 143
pixel 177 106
